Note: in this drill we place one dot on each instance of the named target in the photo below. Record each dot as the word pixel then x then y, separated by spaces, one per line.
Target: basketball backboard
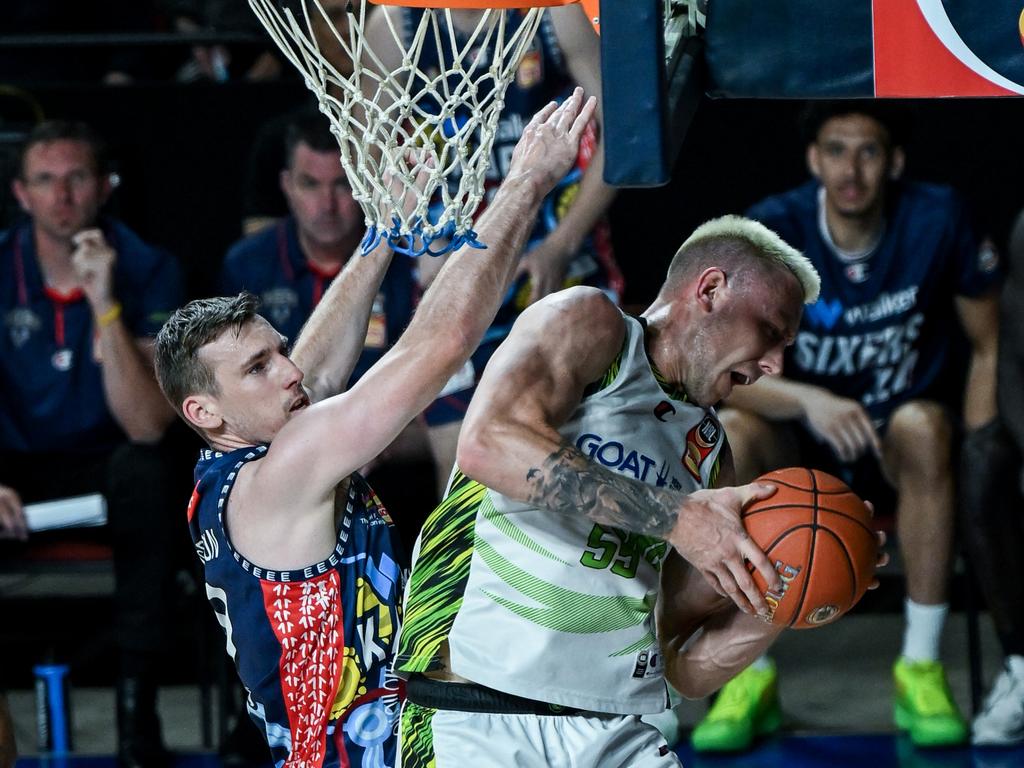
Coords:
pixel 652 80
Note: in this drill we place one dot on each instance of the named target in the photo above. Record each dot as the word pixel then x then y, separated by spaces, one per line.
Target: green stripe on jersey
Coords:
pixel 439 579
pixel 560 609
pixel 514 532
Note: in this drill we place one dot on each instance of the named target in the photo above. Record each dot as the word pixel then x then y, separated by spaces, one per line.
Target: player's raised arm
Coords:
pixel 331 341
pixel 340 434
pixel 510 442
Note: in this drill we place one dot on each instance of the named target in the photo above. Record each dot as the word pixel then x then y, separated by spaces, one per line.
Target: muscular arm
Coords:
pixel 980 320
pixel 728 640
pixel 331 341
pixel 510 443
pixel 323 445
pixel 705 640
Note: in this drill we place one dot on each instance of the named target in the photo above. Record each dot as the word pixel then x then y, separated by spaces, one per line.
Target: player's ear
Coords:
pixel 709 286
pixel 285 180
pixel 897 163
pixel 201 411
pixel 814 160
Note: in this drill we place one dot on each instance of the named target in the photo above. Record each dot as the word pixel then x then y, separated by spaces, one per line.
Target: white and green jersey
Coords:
pixel 552 606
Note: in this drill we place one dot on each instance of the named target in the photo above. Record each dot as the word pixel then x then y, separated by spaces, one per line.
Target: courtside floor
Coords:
pixel 848 751
pixel 835 686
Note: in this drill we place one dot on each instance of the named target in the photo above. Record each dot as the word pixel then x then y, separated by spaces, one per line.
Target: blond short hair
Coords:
pixel 765 243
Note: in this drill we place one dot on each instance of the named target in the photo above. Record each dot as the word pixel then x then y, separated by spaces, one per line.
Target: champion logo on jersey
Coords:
pixel 700 442
pixel 857 272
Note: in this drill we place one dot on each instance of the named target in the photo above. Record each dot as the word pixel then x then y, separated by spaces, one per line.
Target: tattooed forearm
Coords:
pixel 569 483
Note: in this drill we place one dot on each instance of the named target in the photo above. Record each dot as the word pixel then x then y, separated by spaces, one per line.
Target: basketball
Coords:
pixel 819 536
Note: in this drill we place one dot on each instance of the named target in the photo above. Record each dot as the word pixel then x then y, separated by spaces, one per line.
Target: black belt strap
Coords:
pixel 469 697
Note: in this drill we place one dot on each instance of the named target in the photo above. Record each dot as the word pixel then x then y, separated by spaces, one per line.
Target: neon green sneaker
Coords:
pixel 924 707
pixel 747 706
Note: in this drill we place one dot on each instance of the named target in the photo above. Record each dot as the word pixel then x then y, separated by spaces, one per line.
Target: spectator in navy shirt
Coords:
pixel 873 389
pixel 81 296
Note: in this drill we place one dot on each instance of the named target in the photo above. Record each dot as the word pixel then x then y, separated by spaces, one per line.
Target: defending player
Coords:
pixel 529 634
pixel 296 547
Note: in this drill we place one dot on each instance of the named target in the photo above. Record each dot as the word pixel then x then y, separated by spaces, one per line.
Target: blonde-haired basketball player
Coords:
pixel 592 484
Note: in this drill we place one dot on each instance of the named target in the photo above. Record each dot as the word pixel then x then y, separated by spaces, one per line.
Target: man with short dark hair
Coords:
pixel 80 410
pixel 297 548
pixel 871 386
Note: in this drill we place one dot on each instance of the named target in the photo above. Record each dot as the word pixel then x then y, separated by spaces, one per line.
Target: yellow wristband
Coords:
pixel 110 315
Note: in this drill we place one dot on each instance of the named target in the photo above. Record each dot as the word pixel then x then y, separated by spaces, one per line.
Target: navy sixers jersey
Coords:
pixel 51 385
pixel 883 329
pixel 313 647
pixel 542 76
pixel 271 265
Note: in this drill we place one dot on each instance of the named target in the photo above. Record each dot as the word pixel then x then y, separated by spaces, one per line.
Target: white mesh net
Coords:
pixel 379 112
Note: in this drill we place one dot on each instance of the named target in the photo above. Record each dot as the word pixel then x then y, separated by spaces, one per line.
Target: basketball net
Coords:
pixel 378 115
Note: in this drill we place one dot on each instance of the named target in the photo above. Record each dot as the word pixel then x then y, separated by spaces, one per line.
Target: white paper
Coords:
pixel 73 512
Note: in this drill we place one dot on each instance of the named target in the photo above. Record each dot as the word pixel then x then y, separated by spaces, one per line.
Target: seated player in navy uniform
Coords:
pixel 873 384
pixel 81 296
pixel 571 242
pixel 297 549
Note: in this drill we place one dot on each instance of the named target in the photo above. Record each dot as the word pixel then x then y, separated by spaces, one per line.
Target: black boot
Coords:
pixel 138 728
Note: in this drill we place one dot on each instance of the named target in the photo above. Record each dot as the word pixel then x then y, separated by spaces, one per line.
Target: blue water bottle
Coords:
pixel 53 709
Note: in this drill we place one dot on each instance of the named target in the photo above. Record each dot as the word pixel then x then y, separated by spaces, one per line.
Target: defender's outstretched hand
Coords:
pixel 550 142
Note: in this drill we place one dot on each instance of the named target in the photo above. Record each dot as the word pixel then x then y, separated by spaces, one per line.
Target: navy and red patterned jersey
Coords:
pixel 884 328
pixel 313 647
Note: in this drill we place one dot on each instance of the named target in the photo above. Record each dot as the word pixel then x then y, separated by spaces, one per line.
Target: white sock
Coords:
pixel 761 663
pixel 923 630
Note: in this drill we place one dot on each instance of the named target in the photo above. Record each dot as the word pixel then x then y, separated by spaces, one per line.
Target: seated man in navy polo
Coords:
pixel 80 412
